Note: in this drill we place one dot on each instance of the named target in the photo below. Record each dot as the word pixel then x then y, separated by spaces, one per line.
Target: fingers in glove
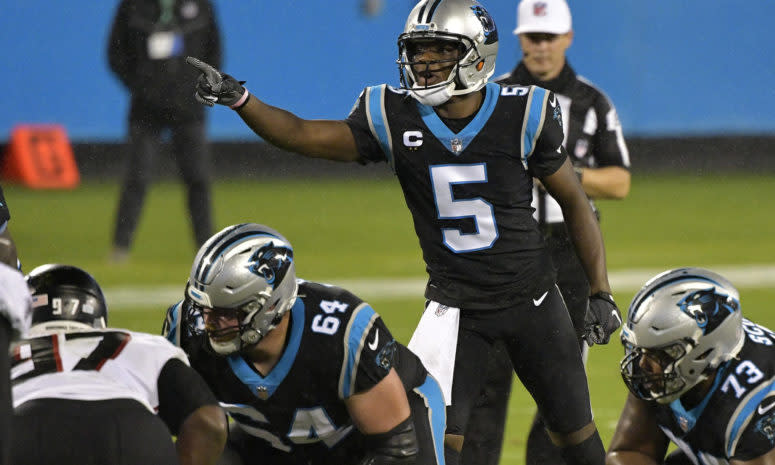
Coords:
pixel 209 101
pixel 212 75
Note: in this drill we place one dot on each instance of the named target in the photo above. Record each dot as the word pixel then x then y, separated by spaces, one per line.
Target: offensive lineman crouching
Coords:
pixel 309 372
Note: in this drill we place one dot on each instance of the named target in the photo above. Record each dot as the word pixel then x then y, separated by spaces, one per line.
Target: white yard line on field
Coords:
pixel 122 297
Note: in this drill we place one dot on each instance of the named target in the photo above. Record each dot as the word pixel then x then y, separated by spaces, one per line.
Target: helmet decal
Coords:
pixel 431 10
pixel 708 308
pixel 673 278
pixel 488 24
pixel 271 262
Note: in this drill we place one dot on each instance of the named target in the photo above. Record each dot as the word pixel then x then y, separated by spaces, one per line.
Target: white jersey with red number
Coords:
pixel 91 365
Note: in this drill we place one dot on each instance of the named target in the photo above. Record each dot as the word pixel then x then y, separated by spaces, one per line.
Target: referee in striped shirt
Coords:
pixel 596 146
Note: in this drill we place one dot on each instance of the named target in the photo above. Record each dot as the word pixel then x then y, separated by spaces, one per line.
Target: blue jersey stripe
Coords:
pixel 269 384
pixel 533 121
pixel 467 134
pixel 173 316
pixel 745 413
pixel 378 123
pixel 430 391
pixel 354 338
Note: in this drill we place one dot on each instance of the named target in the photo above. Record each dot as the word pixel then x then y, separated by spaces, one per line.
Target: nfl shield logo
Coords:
pixel 683 422
pixel 262 392
pixel 457 145
pixel 539 9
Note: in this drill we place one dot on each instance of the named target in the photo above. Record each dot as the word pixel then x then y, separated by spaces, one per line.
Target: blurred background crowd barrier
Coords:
pixel 692 80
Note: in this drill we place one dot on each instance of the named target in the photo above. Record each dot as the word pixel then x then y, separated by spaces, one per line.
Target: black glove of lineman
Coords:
pixel 602 318
pixel 214 86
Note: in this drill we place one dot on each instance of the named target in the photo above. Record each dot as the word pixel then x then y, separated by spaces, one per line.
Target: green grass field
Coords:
pixel 346 230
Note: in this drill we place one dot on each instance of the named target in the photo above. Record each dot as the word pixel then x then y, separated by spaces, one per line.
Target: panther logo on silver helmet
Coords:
pixel 465 22
pixel 247 267
pixel 689 319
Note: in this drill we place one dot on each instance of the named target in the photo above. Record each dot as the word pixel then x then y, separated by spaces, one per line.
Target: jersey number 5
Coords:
pixel 443 177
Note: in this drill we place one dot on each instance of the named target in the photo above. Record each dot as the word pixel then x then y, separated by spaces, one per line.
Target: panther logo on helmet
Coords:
pixel 488 24
pixel 271 262
pixel 708 308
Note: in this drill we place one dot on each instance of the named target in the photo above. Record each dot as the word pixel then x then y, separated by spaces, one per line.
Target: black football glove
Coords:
pixel 602 318
pixel 213 86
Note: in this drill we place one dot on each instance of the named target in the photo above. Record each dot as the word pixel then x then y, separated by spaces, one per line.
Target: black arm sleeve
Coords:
pixel 181 391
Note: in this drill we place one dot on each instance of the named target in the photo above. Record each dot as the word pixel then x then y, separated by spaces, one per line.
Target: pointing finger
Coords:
pixel 212 74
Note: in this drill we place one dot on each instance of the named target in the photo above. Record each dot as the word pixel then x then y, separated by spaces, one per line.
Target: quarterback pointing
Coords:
pixel 465 153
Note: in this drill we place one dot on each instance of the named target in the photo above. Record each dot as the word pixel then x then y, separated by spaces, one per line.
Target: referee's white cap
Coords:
pixel 549 16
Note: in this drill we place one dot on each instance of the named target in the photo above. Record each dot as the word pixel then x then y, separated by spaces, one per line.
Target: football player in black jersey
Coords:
pixel 465 153
pixel 84 393
pixel 699 374
pixel 309 372
pixel 599 154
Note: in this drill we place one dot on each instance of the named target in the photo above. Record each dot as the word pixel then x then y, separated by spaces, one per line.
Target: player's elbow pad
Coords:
pixel 395 447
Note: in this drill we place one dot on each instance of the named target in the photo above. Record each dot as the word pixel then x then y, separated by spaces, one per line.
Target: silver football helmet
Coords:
pixel 687 320
pixel 247 268
pixel 463 22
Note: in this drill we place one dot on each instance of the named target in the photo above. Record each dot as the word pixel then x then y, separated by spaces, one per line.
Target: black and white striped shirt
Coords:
pixel 593 134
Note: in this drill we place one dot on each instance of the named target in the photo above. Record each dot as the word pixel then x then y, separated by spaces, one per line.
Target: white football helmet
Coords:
pixel 689 320
pixel 248 268
pixel 464 22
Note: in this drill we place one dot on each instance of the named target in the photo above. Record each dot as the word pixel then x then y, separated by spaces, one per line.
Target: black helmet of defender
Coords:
pixel 65 298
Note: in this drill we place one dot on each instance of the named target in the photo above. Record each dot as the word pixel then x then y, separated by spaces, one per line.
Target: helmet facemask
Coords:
pixel 412 70
pixel 663 385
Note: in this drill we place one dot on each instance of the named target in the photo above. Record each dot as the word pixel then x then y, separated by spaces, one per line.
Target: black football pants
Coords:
pixel 541 343
pixel 74 432
pixel 191 153
pixel 484 434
